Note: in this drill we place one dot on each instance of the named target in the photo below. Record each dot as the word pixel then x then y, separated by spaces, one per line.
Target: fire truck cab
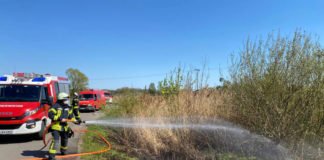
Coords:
pixel 25 99
pixel 91 100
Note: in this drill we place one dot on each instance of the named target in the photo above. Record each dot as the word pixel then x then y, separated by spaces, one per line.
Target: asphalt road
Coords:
pixel 24 147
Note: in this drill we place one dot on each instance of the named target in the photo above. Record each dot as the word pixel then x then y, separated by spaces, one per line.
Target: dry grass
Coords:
pixel 207 104
pixel 204 104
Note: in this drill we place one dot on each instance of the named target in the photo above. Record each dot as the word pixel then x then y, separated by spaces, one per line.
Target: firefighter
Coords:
pixel 60 113
pixel 75 105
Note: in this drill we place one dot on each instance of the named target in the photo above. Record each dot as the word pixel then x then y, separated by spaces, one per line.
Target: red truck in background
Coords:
pixel 91 100
pixel 25 99
pixel 109 97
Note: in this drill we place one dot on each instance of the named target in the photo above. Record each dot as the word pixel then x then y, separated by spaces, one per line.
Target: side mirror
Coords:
pixel 48 101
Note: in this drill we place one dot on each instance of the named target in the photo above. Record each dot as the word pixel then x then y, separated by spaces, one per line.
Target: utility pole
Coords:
pixel 197 73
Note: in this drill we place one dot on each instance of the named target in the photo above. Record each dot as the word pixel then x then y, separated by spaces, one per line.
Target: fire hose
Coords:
pixel 107 148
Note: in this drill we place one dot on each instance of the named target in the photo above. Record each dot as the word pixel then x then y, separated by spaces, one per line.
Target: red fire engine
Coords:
pixel 25 99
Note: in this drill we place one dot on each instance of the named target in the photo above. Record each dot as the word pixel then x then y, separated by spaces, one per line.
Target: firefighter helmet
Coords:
pixel 63 96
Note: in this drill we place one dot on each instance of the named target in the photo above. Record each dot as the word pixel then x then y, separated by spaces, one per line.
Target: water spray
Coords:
pixel 224 133
pixel 236 139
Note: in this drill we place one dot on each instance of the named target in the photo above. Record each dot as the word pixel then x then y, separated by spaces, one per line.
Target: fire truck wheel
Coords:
pixel 39 135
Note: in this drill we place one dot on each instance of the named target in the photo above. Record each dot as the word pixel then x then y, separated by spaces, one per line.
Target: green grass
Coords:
pixel 113 111
pixel 91 142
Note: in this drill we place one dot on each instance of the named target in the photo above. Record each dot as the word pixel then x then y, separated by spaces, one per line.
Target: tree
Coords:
pixel 79 81
pixel 152 89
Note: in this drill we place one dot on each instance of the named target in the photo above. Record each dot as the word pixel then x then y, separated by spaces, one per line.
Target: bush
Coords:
pixel 172 84
pixel 126 103
pixel 278 88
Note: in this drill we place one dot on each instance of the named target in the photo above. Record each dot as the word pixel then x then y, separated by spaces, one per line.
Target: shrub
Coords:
pixel 278 87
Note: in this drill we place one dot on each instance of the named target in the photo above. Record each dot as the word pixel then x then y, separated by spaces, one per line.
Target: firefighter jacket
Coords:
pixel 75 106
pixel 58 112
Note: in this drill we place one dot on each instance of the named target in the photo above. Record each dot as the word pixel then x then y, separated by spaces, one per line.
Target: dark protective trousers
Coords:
pixel 55 145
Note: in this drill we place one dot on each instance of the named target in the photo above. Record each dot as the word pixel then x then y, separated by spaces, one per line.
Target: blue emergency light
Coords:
pixel 39 79
pixel 3 78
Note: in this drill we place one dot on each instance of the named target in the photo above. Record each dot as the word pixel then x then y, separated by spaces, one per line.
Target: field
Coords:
pixel 275 90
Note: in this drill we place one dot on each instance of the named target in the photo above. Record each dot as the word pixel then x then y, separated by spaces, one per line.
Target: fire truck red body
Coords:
pixel 25 100
pixel 92 100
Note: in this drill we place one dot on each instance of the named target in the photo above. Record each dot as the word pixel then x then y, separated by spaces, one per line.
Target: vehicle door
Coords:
pixel 99 100
pixel 45 100
pixel 95 100
pixel 103 98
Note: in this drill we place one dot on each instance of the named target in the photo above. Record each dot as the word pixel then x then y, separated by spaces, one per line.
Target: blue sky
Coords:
pixel 115 41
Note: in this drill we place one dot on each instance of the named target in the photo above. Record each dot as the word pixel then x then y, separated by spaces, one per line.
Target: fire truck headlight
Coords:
pixel 31 112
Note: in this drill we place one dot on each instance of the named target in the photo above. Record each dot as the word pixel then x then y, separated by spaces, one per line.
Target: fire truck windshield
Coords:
pixel 19 93
pixel 86 97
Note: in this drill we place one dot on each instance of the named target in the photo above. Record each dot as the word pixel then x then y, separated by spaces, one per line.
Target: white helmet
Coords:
pixel 76 94
pixel 62 96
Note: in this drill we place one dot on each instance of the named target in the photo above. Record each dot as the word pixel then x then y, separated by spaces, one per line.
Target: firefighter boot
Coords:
pixel 51 157
pixel 63 150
